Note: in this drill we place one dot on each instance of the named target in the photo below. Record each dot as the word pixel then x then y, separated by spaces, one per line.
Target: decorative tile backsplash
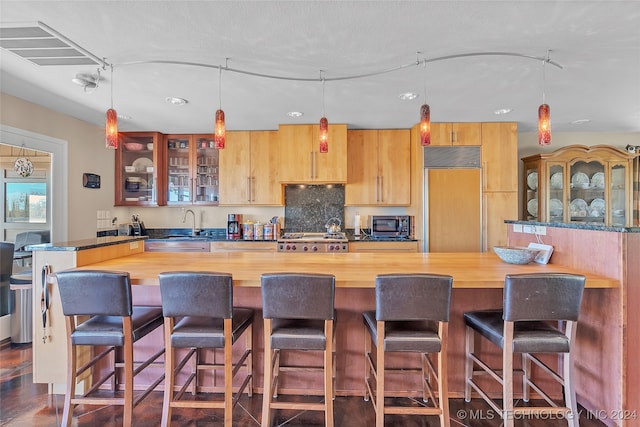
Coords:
pixel 309 207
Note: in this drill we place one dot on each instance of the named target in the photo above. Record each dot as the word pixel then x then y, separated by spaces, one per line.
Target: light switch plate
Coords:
pixel 544 254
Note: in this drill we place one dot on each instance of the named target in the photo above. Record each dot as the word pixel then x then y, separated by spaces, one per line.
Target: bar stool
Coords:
pixel 531 303
pixel 298 311
pixel 198 313
pixel 411 316
pixel 114 323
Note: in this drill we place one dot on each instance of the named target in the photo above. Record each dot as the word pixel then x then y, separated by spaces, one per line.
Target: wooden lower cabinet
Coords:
pixel 369 246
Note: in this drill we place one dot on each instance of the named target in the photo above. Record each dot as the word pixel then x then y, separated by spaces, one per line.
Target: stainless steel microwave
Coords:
pixel 386 226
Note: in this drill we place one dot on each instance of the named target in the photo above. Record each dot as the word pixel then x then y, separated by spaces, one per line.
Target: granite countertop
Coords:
pixel 79 245
pixel 219 235
pixel 579 226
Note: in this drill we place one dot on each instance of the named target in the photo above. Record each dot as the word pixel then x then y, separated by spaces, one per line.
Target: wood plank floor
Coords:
pixel 24 404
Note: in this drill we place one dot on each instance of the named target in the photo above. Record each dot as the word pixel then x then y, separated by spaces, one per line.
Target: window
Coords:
pixel 25 202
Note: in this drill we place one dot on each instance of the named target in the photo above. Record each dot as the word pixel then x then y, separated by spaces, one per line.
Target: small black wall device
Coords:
pixel 91 180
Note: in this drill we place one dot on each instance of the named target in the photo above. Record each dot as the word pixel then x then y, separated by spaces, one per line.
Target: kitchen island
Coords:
pixel 478 282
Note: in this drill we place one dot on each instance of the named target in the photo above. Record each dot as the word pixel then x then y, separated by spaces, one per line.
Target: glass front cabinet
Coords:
pixel 137 158
pixel 579 184
pixel 191 170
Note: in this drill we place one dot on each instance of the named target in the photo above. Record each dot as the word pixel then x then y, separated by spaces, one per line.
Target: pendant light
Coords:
pixel 219 131
pixel 111 124
pixel 324 125
pixel 425 115
pixel 544 113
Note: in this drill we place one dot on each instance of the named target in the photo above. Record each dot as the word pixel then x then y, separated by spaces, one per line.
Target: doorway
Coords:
pixel 55 181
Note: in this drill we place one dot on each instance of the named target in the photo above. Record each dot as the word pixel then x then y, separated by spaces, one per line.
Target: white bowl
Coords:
pixel 129 168
pixel 515 255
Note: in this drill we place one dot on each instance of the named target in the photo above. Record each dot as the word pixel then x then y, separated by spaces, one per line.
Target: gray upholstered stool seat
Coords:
pixel 298 312
pixel 524 325
pixel 528 336
pixel 207 332
pixel 199 314
pixel 20 278
pixel 105 296
pixel 411 336
pixel 107 330
pixel 411 316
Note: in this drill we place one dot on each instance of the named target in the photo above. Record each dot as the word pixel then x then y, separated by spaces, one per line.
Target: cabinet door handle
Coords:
pixel 381 198
pixel 248 189
pixel 485 174
pixel 311 164
pixel 253 194
pixel 315 165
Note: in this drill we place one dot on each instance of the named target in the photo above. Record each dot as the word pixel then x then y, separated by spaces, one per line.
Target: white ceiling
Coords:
pixel 597 43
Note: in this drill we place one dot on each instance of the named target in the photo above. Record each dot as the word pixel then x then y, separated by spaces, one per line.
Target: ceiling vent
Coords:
pixel 42 45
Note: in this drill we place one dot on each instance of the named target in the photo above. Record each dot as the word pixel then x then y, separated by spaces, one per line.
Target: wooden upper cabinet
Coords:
pixel 300 159
pixel 500 156
pixel 191 169
pixel 138 175
pixel 248 169
pixel 456 134
pixel 362 173
pixel 379 168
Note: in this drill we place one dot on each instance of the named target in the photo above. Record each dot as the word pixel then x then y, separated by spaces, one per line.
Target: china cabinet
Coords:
pixel 249 165
pixel 301 160
pixel 579 184
pixel 191 170
pixel 456 133
pixel 379 167
pixel 138 157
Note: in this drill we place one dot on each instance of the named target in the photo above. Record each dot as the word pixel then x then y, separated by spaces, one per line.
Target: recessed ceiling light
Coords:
pixel 408 96
pixel 295 114
pixel 580 121
pixel 502 111
pixel 176 101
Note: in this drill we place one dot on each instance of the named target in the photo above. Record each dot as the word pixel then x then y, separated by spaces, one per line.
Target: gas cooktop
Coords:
pixel 313 242
pixel 313 237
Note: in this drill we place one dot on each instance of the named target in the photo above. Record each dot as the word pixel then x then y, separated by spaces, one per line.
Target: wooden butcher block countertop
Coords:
pixel 355 270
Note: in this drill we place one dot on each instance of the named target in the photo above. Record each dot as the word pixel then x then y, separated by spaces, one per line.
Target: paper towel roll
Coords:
pixel 356 225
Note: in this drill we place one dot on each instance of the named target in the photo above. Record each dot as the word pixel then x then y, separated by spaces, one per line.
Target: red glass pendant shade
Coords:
pixel 425 125
pixel 111 129
pixel 324 135
pixel 219 133
pixel 544 125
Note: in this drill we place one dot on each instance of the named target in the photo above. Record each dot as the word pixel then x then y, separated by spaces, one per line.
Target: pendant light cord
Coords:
pixel 111 85
pixel 220 87
pixel 544 75
pixel 323 81
pixel 425 82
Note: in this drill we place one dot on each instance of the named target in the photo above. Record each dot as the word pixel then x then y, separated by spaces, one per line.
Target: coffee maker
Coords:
pixel 234 226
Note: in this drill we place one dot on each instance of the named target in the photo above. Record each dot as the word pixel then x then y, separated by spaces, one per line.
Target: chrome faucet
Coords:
pixel 184 218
